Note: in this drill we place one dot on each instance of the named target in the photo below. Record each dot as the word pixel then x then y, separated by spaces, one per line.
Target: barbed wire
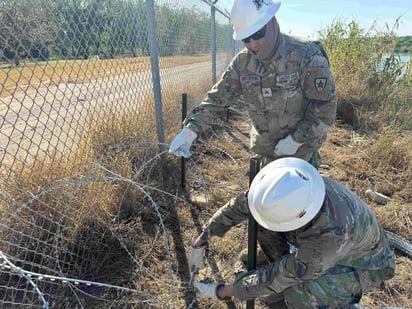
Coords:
pixel 35 277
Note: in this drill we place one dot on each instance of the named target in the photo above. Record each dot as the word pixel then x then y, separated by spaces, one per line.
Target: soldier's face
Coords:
pixel 255 41
pixel 254 45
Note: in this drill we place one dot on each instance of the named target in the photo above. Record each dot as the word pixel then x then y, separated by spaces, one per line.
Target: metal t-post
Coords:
pixel 183 165
pixel 154 61
pixel 254 166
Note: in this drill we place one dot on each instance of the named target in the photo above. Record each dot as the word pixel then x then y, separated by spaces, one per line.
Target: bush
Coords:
pixel 373 84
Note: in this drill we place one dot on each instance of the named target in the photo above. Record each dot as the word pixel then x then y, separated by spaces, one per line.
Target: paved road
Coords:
pixel 50 119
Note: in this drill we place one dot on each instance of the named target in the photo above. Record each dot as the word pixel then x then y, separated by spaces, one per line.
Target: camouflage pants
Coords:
pixel 338 288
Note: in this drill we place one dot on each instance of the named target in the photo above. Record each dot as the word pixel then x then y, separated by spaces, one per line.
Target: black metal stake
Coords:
pixel 254 166
pixel 182 162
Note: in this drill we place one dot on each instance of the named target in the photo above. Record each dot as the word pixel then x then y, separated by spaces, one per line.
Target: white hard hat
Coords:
pixel 249 16
pixel 286 194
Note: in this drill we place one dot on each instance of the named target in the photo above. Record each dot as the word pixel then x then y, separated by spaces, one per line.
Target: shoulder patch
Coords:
pixel 320 83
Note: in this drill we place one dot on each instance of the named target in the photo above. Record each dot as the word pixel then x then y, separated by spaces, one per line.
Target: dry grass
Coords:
pixel 382 162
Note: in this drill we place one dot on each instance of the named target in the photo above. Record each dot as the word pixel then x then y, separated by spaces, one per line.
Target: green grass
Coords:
pixel 373 86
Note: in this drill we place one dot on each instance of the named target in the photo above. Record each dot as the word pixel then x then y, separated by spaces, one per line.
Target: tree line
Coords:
pixel 404 45
pixel 79 29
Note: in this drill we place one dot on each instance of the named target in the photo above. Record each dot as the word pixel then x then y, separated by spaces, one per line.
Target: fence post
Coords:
pixel 154 60
pixel 254 166
pixel 183 160
pixel 213 39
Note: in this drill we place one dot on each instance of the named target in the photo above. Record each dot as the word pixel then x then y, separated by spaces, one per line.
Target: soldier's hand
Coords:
pixel 287 146
pixel 207 290
pixel 196 256
pixel 180 145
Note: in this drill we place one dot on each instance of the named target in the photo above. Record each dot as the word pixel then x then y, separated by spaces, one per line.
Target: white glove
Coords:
pixel 196 257
pixel 180 145
pixel 287 146
pixel 207 290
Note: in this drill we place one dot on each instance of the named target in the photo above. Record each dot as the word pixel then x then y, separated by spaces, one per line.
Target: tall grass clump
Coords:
pixel 373 85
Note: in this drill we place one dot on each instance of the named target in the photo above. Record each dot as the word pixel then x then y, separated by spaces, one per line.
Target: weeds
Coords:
pixel 373 85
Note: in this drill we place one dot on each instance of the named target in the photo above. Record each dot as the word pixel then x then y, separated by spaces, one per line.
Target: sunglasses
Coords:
pixel 256 36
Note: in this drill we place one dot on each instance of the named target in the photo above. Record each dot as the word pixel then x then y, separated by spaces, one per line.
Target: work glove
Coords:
pixel 196 257
pixel 207 290
pixel 180 145
pixel 287 146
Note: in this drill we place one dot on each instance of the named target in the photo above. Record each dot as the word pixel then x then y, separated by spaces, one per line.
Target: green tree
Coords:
pixel 25 29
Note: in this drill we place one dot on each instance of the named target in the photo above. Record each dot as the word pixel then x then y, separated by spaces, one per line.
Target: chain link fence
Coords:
pixel 91 93
pixel 64 65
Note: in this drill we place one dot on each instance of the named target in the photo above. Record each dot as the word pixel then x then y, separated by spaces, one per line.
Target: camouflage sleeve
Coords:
pixel 317 252
pixel 226 91
pixel 253 284
pixel 312 259
pixel 233 213
pixel 319 92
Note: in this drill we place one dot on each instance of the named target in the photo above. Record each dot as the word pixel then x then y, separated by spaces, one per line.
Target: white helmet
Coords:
pixel 249 16
pixel 286 194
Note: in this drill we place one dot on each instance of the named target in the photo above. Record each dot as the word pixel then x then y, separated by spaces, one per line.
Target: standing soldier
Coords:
pixel 286 84
pixel 341 251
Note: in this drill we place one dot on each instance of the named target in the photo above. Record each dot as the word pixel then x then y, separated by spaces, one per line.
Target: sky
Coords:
pixel 304 18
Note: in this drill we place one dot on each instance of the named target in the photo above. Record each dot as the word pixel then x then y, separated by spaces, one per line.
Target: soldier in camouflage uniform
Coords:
pixel 286 84
pixel 341 251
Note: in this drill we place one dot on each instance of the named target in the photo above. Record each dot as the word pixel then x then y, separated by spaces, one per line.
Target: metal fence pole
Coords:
pixel 154 60
pixel 213 39
pixel 254 166
pixel 183 160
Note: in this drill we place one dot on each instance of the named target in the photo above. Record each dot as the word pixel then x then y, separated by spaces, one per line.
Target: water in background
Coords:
pixel 404 58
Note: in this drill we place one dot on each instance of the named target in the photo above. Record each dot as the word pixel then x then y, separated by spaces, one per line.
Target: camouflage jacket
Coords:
pixel 293 94
pixel 345 232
